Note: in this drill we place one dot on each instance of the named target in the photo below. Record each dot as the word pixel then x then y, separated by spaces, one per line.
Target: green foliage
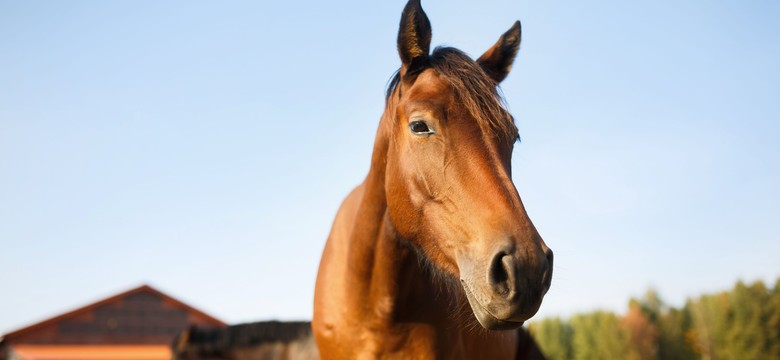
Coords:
pixel 743 323
pixel 747 335
pixel 598 335
pixel 673 343
pixel 554 338
pixel 710 321
pixel 773 322
pixel 671 326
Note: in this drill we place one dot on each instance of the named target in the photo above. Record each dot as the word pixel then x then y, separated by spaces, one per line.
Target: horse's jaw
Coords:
pixel 484 317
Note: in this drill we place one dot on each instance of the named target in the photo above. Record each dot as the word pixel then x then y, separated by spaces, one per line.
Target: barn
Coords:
pixel 137 324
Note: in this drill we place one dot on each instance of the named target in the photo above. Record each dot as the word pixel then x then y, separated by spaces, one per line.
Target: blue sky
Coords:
pixel 204 147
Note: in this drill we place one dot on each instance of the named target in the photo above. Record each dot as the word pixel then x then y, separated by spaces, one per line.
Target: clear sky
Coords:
pixel 203 147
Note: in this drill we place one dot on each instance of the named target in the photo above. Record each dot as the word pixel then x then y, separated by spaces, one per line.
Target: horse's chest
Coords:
pixel 412 341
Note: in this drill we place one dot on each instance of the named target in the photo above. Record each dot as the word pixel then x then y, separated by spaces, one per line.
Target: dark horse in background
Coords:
pixel 433 255
pixel 265 340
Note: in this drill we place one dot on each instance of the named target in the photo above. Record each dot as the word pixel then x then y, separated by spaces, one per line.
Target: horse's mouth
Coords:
pixel 485 318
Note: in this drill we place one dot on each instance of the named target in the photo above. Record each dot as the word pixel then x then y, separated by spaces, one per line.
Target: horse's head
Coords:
pixel 448 174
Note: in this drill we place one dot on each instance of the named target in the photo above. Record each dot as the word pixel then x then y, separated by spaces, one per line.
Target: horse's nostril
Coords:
pixel 549 255
pixel 547 279
pixel 502 274
pixel 497 272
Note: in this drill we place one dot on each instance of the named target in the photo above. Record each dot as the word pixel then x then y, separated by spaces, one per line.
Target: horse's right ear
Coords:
pixel 414 36
pixel 497 61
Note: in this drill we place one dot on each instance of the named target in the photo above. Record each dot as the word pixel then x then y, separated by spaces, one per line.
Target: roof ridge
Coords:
pixel 110 299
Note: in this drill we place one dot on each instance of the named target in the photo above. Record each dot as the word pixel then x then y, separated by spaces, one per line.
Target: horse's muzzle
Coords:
pixel 508 289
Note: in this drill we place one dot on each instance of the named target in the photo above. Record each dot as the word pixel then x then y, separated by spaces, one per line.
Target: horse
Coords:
pixel 259 340
pixel 433 255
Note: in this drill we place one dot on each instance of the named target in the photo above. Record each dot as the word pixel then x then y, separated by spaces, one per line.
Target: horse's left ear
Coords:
pixel 497 61
pixel 414 36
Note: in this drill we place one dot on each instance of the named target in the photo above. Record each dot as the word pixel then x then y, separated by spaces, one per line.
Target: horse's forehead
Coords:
pixel 429 85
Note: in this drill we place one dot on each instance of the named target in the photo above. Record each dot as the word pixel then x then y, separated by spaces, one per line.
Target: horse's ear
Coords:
pixel 497 61
pixel 414 35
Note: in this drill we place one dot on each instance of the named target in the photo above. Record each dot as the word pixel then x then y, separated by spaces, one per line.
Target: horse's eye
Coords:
pixel 419 127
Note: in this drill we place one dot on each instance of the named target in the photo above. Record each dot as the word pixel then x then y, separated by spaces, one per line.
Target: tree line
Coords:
pixel 740 324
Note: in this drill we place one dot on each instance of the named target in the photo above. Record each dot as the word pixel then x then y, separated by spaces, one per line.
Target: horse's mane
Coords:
pixel 473 87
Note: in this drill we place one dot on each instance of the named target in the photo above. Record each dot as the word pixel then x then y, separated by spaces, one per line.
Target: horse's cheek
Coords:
pixel 399 205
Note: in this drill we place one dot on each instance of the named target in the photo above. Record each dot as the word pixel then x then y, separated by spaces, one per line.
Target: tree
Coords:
pixel 670 324
pixel 748 335
pixel 554 336
pixel 743 323
pixel 773 322
pixel 673 344
pixel 642 333
pixel 598 335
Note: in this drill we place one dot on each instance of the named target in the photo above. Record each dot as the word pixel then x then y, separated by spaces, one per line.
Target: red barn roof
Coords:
pixel 142 316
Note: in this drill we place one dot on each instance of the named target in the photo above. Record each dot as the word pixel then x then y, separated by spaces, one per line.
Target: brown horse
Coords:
pixel 433 255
